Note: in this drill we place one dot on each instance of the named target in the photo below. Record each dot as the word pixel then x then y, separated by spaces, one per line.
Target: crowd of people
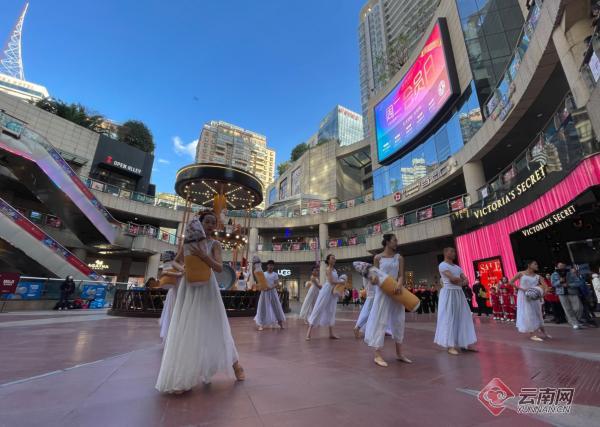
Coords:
pixel 198 340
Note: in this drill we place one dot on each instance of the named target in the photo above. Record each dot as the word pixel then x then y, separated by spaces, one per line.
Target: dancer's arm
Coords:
pixel 514 279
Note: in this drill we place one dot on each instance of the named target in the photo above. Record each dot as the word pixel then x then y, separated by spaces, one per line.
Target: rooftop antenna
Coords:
pixel 11 59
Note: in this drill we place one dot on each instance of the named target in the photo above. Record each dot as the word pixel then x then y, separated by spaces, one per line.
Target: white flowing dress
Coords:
pixel 309 301
pixel 168 305
pixel 454 319
pixel 386 314
pixel 323 313
pixel 529 312
pixel 366 308
pixel 199 342
pixel 269 311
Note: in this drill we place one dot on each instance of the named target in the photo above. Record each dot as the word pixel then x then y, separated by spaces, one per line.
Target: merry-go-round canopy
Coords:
pixel 199 183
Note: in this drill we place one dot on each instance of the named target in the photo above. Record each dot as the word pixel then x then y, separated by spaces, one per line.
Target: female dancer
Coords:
pixel 269 310
pixel 170 279
pixel 199 342
pixel 529 312
pixel 385 311
pixel 454 328
pixel 312 294
pixel 366 308
pixel 323 313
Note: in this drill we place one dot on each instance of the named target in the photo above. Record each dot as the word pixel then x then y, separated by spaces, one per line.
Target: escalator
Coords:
pixel 37 164
pixel 25 248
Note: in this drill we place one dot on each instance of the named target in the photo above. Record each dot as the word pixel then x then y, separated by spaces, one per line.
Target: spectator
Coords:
pixel 554 306
pixel 355 296
pixel 468 295
pixel 567 284
pixel 481 298
pixel 434 297
pixel 66 290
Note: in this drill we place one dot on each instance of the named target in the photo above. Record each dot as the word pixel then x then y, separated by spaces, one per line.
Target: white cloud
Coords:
pixel 164 161
pixel 182 148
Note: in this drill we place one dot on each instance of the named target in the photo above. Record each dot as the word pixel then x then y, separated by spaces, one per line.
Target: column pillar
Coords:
pixel 569 40
pixel 152 266
pixel 123 275
pixel 323 237
pixel 474 179
pixel 392 212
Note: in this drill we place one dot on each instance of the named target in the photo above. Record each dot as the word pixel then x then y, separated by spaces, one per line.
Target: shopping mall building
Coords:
pixel 485 140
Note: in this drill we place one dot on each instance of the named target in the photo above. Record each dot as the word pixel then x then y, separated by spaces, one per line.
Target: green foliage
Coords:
pixel 75 113
pixel 389 63
pixel 136 134
pixel 282 167
pixel 298 151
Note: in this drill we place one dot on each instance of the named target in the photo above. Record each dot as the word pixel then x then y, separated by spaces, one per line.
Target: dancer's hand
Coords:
pixel 398 289
pixel 198 251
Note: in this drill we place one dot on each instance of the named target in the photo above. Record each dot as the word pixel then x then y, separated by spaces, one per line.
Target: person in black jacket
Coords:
pixel 468 295
pixel 66 290
pixel 480 297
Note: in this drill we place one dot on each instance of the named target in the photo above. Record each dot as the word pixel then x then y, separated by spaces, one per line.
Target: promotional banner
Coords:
pixel 352 241
pixel 333 243
pixel 457 204
pixel 296 246
pixel 425 214
pixel 277 247
pixel 8 282
pixel 27 290
pixel 94 293
pixel 489 272
pixel 398 221
pixel 422 93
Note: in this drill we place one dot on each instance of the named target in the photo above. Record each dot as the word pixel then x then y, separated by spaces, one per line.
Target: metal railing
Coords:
pixel 93 294
pixel 566 138
pixel 130 228
pixel 419 215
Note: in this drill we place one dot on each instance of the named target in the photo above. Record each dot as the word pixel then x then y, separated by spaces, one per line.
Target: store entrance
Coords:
pixel 570 234
pixel 292 287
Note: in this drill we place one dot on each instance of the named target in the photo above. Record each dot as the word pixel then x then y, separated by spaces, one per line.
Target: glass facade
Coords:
pixel 342 125
pixel 491 29
pixel 425 158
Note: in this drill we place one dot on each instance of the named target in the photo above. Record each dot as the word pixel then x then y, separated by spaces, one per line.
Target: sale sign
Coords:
pixel 489 272
pixel 8 282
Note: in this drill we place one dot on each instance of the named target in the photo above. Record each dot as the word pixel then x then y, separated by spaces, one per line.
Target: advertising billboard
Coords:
pixel 421 95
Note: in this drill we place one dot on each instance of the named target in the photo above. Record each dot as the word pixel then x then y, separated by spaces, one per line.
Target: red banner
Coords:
pixel 296 246
pixel 277 247
pixel 397 196
pixel 333 243
pixel 352 241
pixel 398 221
pixel 425 214
pixel 8 282
pixel 457 204
pixel 377 228
pixel 332 206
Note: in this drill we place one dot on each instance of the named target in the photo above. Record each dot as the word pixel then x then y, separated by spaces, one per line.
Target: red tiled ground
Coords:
pixel 290 382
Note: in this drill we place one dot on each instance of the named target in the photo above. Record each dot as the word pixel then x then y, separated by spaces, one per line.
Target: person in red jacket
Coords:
pixel 495 301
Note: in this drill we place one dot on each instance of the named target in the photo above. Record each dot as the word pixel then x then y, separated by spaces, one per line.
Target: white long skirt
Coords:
pixel 454 320
pixel 269 310
pixel 199 341
pixel 309 302
pixel 167 312
pixel 323 313
pixel 386 315
pixel 363 316
pixel 529 314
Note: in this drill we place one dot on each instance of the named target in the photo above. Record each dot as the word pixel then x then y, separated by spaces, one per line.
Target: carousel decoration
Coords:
pixel 221 188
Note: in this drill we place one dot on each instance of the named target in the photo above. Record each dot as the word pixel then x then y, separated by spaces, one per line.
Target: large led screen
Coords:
pixel 418 98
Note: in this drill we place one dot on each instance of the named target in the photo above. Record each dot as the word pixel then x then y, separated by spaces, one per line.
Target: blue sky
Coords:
pixel 272 66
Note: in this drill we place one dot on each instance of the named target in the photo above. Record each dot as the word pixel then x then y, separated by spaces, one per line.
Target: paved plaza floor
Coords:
pixel 89 369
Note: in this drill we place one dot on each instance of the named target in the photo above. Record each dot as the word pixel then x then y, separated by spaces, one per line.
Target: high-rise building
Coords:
pixel 12 74
pixel 381 22
pixel 231 145
pixel 340 124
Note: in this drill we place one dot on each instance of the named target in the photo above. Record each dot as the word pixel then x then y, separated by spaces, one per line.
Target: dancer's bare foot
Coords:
pixel 334 337
pixel 281 325
pixel 179 392
pixel 260 328
pixel 356 333
pixel 402 358
pixel 380 362
pixel 453 351
pixel 536 338
pixel 470 349
pixel 239 371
